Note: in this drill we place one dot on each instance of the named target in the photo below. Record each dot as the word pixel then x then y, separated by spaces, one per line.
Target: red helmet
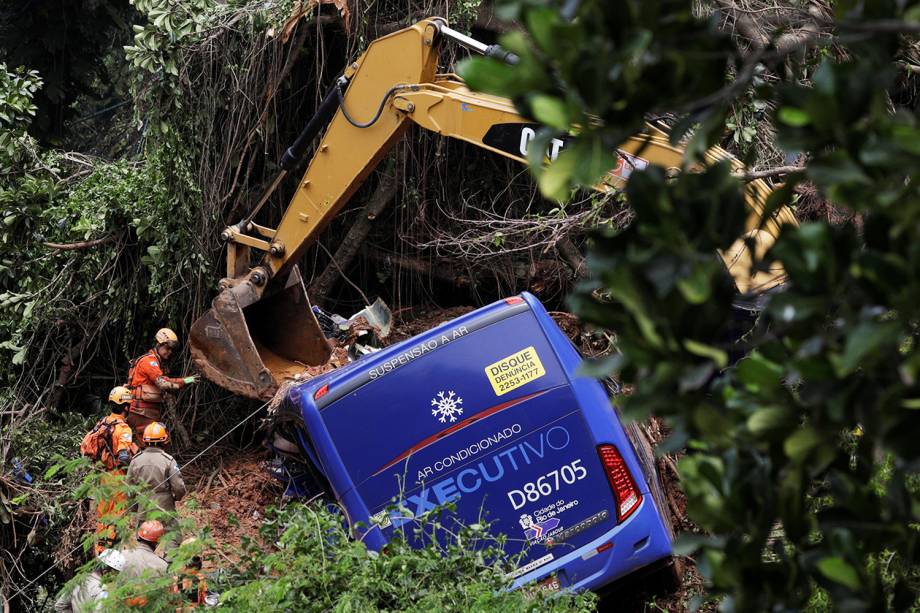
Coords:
pixel 151 531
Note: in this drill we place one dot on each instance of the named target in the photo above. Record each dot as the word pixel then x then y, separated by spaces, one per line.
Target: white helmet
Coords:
pixel 165 335
pixel 113 559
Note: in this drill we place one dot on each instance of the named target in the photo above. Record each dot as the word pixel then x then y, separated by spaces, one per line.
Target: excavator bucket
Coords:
pixel 252 349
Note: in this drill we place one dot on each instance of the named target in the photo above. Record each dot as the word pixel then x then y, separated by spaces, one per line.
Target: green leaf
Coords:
pixel 794 117
pixel 487 75
pixel 555 179
pixel 866 340
pixel 758 373
pixel 55 469
pixel 541 23
pixel 767 419
pixel 20 356
pixel 696 288
pixel 838 570
pixel 550 111
pixel 707 351
pixel 798 446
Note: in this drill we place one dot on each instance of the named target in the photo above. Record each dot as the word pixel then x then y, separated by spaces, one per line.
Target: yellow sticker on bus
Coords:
pixel 514 371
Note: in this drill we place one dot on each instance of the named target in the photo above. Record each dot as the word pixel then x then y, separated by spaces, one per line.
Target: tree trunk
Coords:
pixel 572 256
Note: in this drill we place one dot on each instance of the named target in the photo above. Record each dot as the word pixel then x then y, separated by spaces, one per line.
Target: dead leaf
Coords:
pixel 301 9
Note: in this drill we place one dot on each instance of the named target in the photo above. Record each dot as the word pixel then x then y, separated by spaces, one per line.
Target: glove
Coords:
pixel 190 379
pixel 123 458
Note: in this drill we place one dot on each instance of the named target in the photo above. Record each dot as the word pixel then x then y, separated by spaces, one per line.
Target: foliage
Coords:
pixel 172 24
pixel 36 450
pixel 40 448
pixel 306 560
pixel 41 511
pixel 595 72
pixel 165 45
pixel 319 567
pixel 70 44
pixel 828 383
pixel 17 108
pixel 44 291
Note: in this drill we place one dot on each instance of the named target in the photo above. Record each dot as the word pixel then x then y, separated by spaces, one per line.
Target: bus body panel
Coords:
pixel 485 413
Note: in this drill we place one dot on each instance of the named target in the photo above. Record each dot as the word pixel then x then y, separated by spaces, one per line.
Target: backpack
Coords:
pixel 97 443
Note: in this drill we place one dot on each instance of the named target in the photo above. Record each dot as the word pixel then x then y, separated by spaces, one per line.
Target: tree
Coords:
pixel 800 462
pixel 68 43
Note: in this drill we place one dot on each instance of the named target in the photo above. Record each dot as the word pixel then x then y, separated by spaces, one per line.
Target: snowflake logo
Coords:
pixel 447 405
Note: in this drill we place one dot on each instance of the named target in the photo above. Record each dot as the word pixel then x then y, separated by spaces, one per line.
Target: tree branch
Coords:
pixel 769 173
pixel 83 244
pixel 745 24
pixel 572 256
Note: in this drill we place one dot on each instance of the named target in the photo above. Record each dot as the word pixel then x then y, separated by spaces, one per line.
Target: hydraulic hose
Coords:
pixel 502 55
pixel 373 120
pixel 295 152
pixel 324 113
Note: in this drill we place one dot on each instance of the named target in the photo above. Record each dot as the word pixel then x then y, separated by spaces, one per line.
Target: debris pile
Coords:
pixel 230 494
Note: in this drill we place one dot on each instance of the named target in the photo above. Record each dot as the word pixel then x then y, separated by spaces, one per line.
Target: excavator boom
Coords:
pixel 261 329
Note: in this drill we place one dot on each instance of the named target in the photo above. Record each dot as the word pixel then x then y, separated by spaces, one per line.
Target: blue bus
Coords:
pixel 486 412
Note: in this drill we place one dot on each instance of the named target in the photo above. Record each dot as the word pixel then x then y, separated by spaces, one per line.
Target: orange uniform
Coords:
pixel 147 382
pixel 111 505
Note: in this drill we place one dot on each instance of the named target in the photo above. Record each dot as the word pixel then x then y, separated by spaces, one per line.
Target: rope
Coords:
pixel 201 453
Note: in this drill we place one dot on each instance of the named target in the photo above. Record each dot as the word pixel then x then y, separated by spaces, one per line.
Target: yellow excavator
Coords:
pixel 261 329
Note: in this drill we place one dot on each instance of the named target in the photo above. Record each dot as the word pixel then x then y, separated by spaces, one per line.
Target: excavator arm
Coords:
pixel 261 329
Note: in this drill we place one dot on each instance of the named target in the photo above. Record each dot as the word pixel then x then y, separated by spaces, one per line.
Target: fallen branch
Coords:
pixel 83 244
pixel 572 256
pixel 769 173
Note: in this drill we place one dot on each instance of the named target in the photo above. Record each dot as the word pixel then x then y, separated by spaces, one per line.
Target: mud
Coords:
pixel 230 494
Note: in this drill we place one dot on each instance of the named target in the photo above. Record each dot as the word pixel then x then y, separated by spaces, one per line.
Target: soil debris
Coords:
pixel 417 322
pixel 230 494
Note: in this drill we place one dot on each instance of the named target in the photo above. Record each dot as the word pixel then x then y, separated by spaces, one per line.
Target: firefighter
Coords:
pixel 88 595
pixel 141 561
pixel 111 443
pixel 158 472
pixel 141 558
pixel 147 381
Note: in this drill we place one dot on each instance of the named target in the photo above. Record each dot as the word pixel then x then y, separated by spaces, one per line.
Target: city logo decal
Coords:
pixel 534 531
